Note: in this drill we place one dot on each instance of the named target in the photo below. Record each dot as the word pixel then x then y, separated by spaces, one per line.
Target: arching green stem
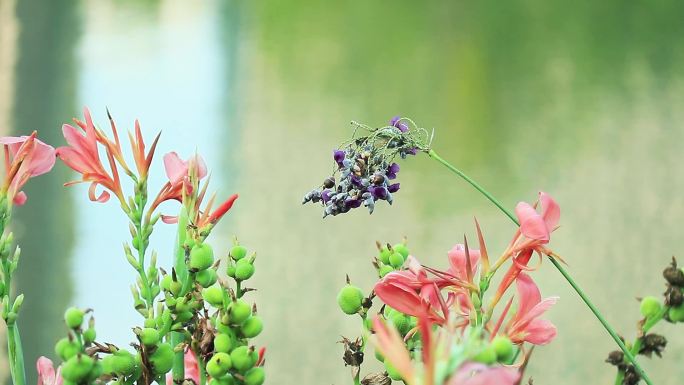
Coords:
pixel 628 354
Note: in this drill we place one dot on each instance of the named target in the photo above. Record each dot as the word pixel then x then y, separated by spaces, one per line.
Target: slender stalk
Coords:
pixel 178 371
pixel 16 355
pixel 561 269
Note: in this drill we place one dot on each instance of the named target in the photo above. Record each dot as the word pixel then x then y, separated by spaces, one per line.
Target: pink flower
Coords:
pixel 391 345
pixel 525 325
pixel 191 369
pixel 82 155
pixel 459 263
pixel 46 372
pixel 179 172
pixel 537 227
pixel 25 157
pixel 472 373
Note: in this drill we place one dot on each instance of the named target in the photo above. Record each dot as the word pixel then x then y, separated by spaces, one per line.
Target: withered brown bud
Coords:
pixel 329 183
pixel 631 376
pixel 674 274
pixel 615 357
pixel 673 296
pixel 376 379
pixel 353 356
pixel 378 179
pixel 652 343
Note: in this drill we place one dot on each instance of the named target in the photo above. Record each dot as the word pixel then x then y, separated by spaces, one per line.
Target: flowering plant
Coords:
pixel 438 326
pixel 195 326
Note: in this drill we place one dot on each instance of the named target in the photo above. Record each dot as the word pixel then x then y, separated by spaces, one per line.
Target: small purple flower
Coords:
pixel 356 181
pixel 325 196
pixel 338 155
pixel 392 188
pixel 396 122
pixel 392 171
pixel 352 203
pixel 378 192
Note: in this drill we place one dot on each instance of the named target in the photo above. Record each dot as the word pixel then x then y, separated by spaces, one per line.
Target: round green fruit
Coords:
pixel 487 355
pixel 384 255
pixel 89 335
pixel 676 314
pixel 73 317
pixel 401 249
pixel 252 327
pixel 240 311
pixel 238 252
pixel 223 343
pixel 219 364
pixel 350 299
pixel 384 270
pixel 255 376
pixel 650 306
pixel 396 260
pixel 241 359
pixel 503 347
pixel 66 349
pixel 244 270
pixel 162 359
pixel 201 257
pixel 149 337
pixel 206 277
pixel 77 368
pixel 401 322
pixel 213 295
pixel 122 362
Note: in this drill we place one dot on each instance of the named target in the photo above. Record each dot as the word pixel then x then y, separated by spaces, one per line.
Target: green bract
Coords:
pixel 350 299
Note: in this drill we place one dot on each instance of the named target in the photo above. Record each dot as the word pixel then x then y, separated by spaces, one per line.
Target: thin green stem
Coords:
pixel 16 355
pixel 558 266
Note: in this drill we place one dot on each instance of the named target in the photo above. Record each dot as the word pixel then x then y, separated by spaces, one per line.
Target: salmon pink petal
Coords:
pixel 540 332
pixel 537 310
pixel 169 219
pixel 532 225
pixel 415 267
pixel 46 371
pixel 201 167
pixel 176 168
pixel 528 293
pixel 400 298
pixel 103 197
pixel 20 198
pixel 457 260
pixel 550 211
pixel 43 158
pixel 391 345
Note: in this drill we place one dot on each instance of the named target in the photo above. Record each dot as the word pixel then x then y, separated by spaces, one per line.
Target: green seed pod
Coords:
pixel 392 371
pixel 676 314
pixel 206 277
pixel 244 270
pixel 396 260
pixel 384 270
pixel 255 376
pixel 66 349
pixel 89 335
pixel 238 252
pixel 401 249
pixel 650 306
pixel 487 355
pixel 223 343
pixel 227 379
pixel 218 365
pixel 96 371
pixel 162 359
pixel 122 363
pixel 503 347
pixel 240 311
pixel 108 364
pixel 175 287
pixel 401 322
pixel 201 257
pixel 184 316
pixel 73 317
pixel 230 271
pixel 149 337
pixel 77 368
pixel 384 255
pixel 241 359
pixel 350 299
pixel 213 295
pixel 252 327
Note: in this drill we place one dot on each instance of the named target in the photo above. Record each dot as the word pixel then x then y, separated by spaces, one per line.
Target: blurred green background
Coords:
pixel 580 99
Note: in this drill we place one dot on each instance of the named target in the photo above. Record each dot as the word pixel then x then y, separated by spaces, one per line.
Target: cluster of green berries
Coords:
pixel 500 350
pixel 390 258
pixel 233 360
pixel 79 367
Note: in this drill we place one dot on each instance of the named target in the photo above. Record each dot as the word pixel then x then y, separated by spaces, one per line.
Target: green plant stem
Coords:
pixel 16 355
pixel 558 266
pixel 178 371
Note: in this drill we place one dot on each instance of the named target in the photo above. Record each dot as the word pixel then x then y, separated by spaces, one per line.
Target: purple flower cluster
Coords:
pixel 365 170
pixel 362 181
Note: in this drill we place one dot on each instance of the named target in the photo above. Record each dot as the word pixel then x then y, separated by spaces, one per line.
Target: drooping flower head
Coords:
pixel 365 167
pixel 25 158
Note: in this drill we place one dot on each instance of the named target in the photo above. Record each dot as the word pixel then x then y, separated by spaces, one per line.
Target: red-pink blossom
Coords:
pixel 525 326
pixel 25 157
pixel 536 227
pixel 46 372
pixel 472 373
pixel 191 369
